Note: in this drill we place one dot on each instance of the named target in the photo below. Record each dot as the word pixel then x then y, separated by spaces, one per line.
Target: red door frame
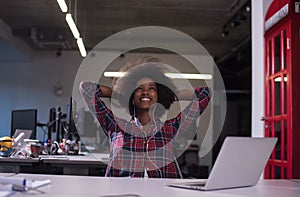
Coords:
pixel 289 20
pixel 280 159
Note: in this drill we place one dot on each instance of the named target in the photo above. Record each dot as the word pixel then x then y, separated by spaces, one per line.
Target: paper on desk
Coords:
pixel 13 181
pixel 21 184
pixel 33 184
pixel 30 184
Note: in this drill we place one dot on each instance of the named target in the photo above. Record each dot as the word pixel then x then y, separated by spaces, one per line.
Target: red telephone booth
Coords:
pixel 282 87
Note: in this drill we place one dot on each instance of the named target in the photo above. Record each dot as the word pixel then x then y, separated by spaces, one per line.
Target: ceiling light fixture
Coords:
pixel 170 75
pixel 242 17
pixel 235 23
pixel 72 26
pixel 114 74
pixel 225 33
pixel 63 6
pixel 188 76
pixel 81 47
pixel 236 19
pixel 248 9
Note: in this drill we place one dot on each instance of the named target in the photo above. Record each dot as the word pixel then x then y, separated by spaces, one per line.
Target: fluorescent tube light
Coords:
pixel 170 75
pixel 72 26
pixel 63 6
pixel 114 74
pixel 81 47
pixel 188 76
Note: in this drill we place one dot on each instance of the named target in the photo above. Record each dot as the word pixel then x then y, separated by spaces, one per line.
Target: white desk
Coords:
pixel 112 187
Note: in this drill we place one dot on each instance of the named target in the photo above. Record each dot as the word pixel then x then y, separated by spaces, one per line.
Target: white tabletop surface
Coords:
pixel 138 187
pixel 6 174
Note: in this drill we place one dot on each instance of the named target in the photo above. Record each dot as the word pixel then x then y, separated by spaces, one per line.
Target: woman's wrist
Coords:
pixel 186 94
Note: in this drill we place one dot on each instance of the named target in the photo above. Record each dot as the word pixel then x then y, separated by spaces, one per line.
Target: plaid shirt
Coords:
pixel 132 151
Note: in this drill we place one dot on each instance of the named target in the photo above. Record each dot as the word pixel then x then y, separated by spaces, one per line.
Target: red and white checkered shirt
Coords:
pixel 132 151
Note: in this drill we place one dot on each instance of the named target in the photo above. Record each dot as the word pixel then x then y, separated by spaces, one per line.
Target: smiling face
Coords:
pixel 145 94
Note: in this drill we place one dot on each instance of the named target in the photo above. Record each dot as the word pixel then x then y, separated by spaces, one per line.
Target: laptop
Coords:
pixel 240 163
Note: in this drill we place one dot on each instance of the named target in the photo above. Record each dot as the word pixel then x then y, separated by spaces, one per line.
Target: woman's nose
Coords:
pixel 144 91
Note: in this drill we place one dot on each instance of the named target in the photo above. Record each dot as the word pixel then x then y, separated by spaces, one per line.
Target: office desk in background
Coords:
pixel 85 165
pixel 16 165
pixel 139 187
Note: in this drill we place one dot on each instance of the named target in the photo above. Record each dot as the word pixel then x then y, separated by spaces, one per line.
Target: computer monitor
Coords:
pixel 52 122
pixel 71 115
pixel 24 119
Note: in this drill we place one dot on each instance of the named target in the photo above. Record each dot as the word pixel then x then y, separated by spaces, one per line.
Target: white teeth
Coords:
pixel 145 99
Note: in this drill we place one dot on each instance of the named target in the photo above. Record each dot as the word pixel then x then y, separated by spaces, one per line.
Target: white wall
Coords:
pixel 30 84
pixel 259 9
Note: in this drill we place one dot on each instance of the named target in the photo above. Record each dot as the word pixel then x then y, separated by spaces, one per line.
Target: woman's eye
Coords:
pixel 152 88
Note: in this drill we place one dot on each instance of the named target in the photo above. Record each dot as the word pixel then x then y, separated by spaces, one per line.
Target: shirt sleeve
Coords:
pixel 91 93
pixel 88 91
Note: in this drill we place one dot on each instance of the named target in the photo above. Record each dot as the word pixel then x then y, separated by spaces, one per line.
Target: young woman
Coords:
pixel 143 144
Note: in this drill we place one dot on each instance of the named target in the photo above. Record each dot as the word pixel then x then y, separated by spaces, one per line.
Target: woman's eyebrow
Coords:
pixel 149 84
